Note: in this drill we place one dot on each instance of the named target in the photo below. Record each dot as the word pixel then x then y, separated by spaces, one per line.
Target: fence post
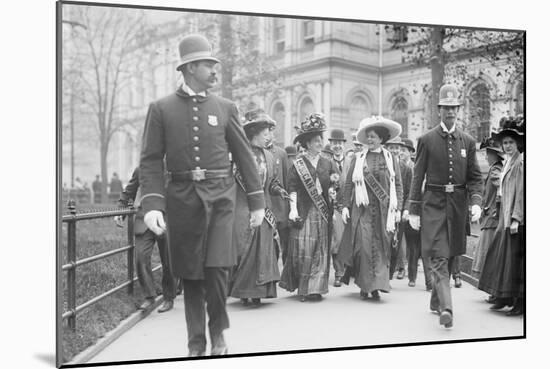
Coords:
pixel 131 251
pixel 71 259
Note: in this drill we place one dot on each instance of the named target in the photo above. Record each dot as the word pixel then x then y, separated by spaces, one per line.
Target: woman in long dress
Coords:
pixel 489 217
pixel 503 275
pixel 307 265
pixel 373 196
pixel 257 273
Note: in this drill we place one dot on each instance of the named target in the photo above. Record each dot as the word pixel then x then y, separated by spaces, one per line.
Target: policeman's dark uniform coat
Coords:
pixel 444 159
pixel 196 132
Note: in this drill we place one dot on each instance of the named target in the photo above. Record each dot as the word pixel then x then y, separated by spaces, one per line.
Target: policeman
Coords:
pixel 446 158
pixel 196 131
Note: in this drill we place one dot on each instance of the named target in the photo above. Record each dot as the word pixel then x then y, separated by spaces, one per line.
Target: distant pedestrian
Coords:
pixel 115 187
pixel 96 188
pixel 307 265
pixel 446 158
pixel 503 274
pixel 373 196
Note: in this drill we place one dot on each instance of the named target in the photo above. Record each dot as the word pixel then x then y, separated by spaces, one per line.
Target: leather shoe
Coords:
pixel 149 301
pixel 363 294
pixel 412 283
pixel 435 309
pixel 429 287
pixel 458 282
pixel 256 302
pixel 401 274
pixel 499 304
pixel 375 295
pixel 446 319
pixel 194 353
pixel 491 299
pixel 166 305
pixel 516 310
pixel 337 282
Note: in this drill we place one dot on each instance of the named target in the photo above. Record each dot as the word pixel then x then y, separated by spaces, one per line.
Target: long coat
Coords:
pixel 131 192
pixel 196 132
pixel 444 159
pixel 512 189
pixel 264 259
pixel 492 183
pixel 279 205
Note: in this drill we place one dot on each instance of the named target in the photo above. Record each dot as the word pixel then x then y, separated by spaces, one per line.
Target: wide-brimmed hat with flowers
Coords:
pixel 312 125
pixel 257 117
pixel 393 128
pixel 511 127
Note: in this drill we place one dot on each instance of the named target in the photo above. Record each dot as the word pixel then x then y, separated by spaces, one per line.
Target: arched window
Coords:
pixel 519 98
pixel 278 113
pixel 479 112
pixel 306 108
pixel 400 113
pixel 358 110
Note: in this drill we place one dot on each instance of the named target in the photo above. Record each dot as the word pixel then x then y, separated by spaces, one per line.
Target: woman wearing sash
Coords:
pixel 256 274
pixel 307 265
pixel 373 196
pixel 503 274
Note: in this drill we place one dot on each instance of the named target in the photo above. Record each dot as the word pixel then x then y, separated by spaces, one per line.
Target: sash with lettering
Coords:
pixel 376 187
pixel 311 189
pixel 269 216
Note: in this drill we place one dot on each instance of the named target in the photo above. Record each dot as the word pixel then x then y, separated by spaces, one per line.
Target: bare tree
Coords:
pixel 102 45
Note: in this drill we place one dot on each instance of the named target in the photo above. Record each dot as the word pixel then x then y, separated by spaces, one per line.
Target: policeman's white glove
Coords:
pixel 256 217
pixel 414 221
pixel 345 215
pixel 405 216
pixel 154 220
pixel 476 213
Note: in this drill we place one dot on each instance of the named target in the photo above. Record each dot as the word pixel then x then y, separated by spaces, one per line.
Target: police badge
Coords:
pixel 213 120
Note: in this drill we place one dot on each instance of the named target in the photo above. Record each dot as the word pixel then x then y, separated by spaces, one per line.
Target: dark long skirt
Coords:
pixel 480 253
pixel 370 261
pixel 307 263
pixel 503 273
pixel 256 274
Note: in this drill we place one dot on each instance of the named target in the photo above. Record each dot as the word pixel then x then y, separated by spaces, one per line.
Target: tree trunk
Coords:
pixel 437 65
pixel 103 150
pixel 226 52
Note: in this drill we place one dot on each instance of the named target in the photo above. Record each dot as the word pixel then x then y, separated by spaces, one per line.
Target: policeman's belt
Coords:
pixel 449 188
pixel 198 175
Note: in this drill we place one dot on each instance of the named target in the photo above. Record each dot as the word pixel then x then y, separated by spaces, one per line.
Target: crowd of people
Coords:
pixel 232 204
pixel 83 194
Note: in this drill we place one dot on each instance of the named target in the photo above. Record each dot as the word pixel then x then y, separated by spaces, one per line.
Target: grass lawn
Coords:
pixel 93 237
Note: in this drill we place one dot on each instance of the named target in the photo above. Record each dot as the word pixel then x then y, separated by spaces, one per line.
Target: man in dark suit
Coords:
pixel 194 132
pixel 446 158
pixel 145 241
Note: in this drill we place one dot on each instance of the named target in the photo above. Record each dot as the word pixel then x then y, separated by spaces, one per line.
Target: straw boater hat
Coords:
pixel 193 48
pixel 312 125
pixel 393 128
pixel 257 117
pixel 448 96
pixel 406 142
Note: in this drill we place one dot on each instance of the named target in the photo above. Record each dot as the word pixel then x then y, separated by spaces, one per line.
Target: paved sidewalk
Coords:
pixel 341 319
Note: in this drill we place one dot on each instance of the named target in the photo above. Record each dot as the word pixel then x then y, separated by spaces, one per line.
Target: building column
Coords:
pixel 326 103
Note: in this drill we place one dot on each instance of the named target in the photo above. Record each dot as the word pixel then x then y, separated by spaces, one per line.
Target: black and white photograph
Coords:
pixel 253 183
pixel 234 183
